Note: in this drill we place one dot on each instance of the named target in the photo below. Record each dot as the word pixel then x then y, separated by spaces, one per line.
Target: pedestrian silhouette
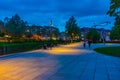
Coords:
pixel 89 43
pixel 44 46
pixel 84 44
pixel 51 45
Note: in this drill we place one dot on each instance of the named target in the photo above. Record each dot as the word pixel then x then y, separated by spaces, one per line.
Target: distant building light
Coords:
pixel 82 38
pixel 82 35
pixel 108 33
pixel 27 30
pixel 7 36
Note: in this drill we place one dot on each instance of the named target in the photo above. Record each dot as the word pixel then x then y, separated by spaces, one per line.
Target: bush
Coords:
pixel 14 47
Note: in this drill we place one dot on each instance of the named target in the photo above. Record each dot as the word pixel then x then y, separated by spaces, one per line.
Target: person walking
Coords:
pixel 84 44
pixel 44 46
pixel 89 43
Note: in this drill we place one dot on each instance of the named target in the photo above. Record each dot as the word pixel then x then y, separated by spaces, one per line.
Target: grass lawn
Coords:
pixel 113 51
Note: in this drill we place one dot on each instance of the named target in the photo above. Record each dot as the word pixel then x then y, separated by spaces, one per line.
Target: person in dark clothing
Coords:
pixel 89 43
pixel 84 44
pixel 44 46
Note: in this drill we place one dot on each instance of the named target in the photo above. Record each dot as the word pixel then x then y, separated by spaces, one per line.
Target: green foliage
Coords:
pixel 56 32
pixel 2 29
pixel 20 47
pixel 115 11
pixel 114 8
pixel 1 23
pixel 117 21
pixel 14 47
pixel 93 35
pixel 72 29
pixel 44 31
pixel 28 34
pixel 2 34
pixel 15 27
pixel 115 33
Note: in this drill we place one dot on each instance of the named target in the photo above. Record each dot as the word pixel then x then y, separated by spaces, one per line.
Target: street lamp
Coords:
pixel 51 29
pixel 51 33
pixel 102 24
pixel 84 35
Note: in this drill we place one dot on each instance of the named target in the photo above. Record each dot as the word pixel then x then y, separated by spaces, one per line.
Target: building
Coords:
pixel 44 32
pixel 104 33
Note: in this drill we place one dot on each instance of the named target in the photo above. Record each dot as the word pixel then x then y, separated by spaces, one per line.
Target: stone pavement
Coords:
pixel 68 62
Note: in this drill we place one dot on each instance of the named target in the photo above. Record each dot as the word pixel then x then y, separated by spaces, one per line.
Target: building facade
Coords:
pixel 104 33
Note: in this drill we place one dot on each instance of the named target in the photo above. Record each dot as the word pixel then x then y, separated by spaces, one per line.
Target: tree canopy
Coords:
pixel 114 8
pixel 93 35
pixel 115 12
pixel 72 28
pixel 2 30
pixel 115 33
pixel 15 27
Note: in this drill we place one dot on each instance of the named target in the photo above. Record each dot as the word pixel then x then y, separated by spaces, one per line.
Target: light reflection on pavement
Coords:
pixel 66 62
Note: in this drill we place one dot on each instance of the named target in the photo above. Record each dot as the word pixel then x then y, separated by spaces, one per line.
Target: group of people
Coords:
pixel 46 46
pixel 89 43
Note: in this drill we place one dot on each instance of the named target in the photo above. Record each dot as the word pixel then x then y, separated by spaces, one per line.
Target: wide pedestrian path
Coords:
pixel 66 62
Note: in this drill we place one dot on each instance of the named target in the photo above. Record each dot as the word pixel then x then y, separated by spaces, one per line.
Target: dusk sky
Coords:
pixel 40 12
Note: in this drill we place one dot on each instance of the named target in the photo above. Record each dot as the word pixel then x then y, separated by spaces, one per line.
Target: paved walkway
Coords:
pixel 71 62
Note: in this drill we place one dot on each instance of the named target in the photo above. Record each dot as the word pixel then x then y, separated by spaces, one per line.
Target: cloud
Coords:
pixel 42 11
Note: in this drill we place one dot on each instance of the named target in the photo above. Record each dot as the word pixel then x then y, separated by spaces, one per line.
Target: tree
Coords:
pixel 114 7
pixel 2 30
pixel 1 25
pixel 6 19
pixel 115 33
pixel 93 35
pixel 15 26
pixel 114 11
pixel 72 29
pixel 44 31
pixel 56 32
pixel 28 34
pixel 117 20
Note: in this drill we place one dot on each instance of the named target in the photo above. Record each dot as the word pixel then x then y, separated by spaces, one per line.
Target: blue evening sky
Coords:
pixel 40 12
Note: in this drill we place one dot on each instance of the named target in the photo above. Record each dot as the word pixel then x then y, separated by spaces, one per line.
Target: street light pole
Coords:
pixel 51 33
pixel 102 34
pixel 51 29
pixel 103 37
pixel 84 36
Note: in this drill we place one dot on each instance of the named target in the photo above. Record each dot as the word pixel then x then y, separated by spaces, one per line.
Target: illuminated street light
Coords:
pixel 51 33
pixel 51 29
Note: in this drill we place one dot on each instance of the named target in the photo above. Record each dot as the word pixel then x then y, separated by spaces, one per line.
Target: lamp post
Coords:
pixel 84 35
pixel 51 29
pixel 51 33
pixel 102 24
